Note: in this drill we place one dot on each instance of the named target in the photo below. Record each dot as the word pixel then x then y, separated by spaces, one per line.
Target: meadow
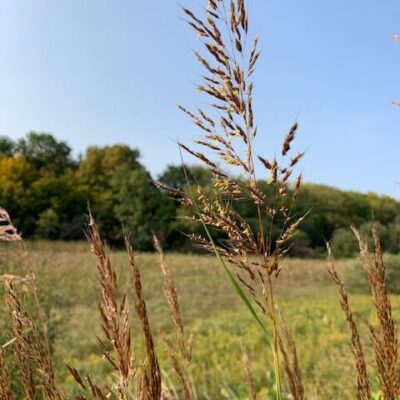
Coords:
pixel 211 311
pixel 240 319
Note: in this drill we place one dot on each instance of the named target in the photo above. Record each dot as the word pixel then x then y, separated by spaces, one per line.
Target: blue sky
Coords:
pixel 102 72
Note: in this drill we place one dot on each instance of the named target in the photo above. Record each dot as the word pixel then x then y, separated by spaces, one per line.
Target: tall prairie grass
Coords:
pixel 252 259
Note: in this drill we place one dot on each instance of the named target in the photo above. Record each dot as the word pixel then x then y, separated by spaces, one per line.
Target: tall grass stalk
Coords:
pixel 252 259
pixel 226 149
pixel 384 337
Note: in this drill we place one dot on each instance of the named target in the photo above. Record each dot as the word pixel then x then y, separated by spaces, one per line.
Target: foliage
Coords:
pixel 175 176
pixel 357 281
pixel 48 224
pixel 7 146
pixel 100 175
pixel 344 243
pixel 142 208
pixel 211 311
pixel 39 178
pixel 44 152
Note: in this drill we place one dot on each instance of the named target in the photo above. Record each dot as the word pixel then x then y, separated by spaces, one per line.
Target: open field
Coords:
pixel 261 313
pixel 211 311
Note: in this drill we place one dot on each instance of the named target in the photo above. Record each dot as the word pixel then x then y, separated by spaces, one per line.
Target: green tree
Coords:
pixel 48 224
pixel 36 176
pixel 7 146
pixel 184 178
pixel 301 245
pixel 16 178
pixel 174 176
pixel 100 175
pixel 383 208
pixel 43 151
pixel 143 209
pixel 63 196
pixel 344 244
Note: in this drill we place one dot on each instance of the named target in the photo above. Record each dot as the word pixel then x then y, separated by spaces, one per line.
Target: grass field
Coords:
pixel 211 311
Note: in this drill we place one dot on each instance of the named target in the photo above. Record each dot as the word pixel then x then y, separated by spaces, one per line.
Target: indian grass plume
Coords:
pixel 171 294
pixel 151 379
pixel 31 342
pixel 88 385
pixel 8 232
pixel 25 366
pixel 363 385
pixel 228 130
pixel 385 339
pixel 30 348
pixel 117 346
pixel 137 380
pixel 5 392
pixel 180 358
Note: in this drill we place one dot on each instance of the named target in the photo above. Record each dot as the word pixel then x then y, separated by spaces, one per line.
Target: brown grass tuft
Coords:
pixel 114 316
pixel 228 131
pixel 36 369
pixel 385 340
pixel 151 382
pixel 291 363
pixel 8 232
pixel 5 392
pixel 363 386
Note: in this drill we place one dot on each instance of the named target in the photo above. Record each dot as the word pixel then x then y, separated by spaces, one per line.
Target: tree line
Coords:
pixel 47 191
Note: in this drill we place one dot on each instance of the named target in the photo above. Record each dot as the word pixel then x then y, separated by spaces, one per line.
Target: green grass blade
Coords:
pixel 221 261
pixel 235 284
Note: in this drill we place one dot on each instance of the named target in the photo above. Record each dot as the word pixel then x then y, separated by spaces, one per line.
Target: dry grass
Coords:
pixel 30 340
pixel 384 338
pixel 228 126
pixel 5 391
pixel 7 230
pixel 363 386
pixel 135 378
pixel 255 257
pixel 211 311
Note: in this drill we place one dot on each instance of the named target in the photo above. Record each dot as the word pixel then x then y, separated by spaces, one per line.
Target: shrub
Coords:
pixel 48 224
pixel 357 281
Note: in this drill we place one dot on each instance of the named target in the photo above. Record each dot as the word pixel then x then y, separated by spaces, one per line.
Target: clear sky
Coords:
pixel 102 72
